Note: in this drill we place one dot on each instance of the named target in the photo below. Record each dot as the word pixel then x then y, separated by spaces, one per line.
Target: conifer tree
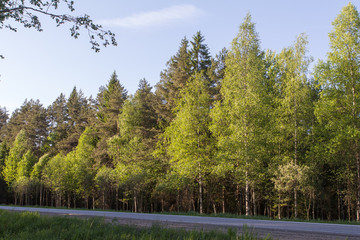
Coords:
pixel 199 54
pixel 3 118
pixel 58 123
pixel 172 80
pixel 30 117
pixel 110 101
pixel 79 114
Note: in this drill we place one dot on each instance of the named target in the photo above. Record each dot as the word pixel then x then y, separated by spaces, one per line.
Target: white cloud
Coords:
pixel 154 18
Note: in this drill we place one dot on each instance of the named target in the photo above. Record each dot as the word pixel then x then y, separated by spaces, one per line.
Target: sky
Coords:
pixel 41 65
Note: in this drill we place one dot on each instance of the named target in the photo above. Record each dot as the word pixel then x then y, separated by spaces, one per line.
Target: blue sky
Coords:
pixel 43 65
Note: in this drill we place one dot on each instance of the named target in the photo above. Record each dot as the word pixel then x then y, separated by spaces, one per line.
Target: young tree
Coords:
pixel 189 138
pixel 54 176
pixel 17 151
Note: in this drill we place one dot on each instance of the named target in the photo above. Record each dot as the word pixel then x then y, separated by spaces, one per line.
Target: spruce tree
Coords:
pixel 58 123
pixel 110 101
pixel 172 80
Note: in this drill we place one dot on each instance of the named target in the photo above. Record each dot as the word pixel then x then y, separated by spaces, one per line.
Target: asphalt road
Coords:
pixel 280 229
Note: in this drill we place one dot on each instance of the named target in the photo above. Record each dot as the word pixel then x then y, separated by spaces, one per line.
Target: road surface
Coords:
pixel 277 229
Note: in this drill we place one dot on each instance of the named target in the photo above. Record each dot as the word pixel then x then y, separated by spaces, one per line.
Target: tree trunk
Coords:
pixel 162 204
pixel 247 198
pixel 254 202
pixel 41 195
pixel 313 205
pixel 238 200
pixel 117 199
pixel 103 199
pixel 295 156
pixel 279 207
pixel 295 203
pixel 223 199
pixel 358 185
pixel 178 201
pixel 200 196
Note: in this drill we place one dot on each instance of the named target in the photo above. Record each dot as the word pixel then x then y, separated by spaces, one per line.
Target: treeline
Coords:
pixel 248 132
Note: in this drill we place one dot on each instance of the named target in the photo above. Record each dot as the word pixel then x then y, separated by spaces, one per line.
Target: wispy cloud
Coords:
pixel 154 18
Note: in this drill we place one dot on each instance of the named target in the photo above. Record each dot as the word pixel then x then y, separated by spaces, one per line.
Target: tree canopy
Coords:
pixel 28 12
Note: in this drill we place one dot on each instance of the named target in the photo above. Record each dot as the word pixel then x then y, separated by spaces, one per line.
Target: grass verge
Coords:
pixel 31 226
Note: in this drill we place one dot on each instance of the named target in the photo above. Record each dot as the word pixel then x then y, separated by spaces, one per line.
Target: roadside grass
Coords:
pixel 31 226
pixel 223 215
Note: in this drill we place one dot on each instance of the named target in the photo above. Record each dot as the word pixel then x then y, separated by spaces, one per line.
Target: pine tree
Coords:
pixel 30 117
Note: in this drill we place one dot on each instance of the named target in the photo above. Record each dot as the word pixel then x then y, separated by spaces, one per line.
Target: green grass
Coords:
pixel 31 226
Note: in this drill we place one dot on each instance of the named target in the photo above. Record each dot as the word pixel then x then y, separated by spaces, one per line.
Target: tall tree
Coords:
pixel 199 54
pixel 110 101
pixel 295 107
pixel 79 115
pixel 31 117
pixel 58 123
pixel 172 80
pixel 238 118
pixel 339 105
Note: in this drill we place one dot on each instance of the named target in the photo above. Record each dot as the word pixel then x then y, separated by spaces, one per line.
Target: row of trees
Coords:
pixel 247 132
